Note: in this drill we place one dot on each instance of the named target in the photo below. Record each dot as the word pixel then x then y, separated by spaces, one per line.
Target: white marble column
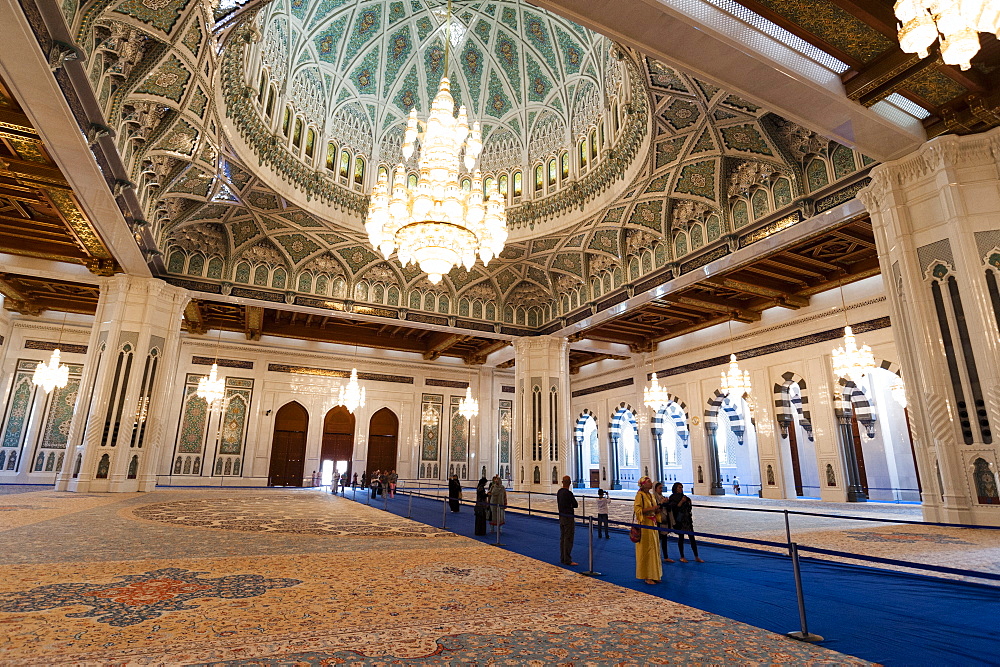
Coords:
pixel 115 438
pixel 936 216
pixel 543 438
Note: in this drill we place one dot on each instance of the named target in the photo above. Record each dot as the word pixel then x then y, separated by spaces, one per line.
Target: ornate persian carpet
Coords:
pixel 279 577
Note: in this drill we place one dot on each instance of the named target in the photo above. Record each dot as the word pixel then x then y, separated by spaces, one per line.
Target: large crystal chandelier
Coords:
pixel 655 396
pixel 50 375
pixel 735 381
pixel 430 416
pixel 468 407
pixel 958 22
pixel 437 223
pixel 851 362
pixel 352 396
pixel 211 387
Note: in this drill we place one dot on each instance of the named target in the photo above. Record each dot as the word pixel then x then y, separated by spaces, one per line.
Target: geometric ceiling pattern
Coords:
pixel 706 168
pixel 355 70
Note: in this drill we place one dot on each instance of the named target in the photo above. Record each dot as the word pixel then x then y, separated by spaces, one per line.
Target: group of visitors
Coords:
pixel 491 503
pixel 672 513
pixel 380 482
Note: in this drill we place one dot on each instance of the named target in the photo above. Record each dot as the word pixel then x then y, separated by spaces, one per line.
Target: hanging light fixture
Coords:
pixel 956 22
pixel 849 361
pixel 211 387
pixel 898 391
pixel 352 396
pixel 53 374
pixel 468 407
pixel 735 381
pixel 437 223
pixel 430 416
pixel 655 396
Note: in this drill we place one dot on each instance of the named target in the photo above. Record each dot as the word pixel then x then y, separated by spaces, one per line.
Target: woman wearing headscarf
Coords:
pixel 679 506
pixel 647 550
pixel 664 519
pixel 498 501
pixel 482 507
pixel 454 493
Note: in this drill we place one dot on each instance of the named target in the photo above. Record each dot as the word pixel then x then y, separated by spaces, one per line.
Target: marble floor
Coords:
pixel 196 576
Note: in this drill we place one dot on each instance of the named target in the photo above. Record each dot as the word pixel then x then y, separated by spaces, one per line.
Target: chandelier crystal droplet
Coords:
pixel 655 396
pixel 352 396
pixel 437 223
pixel 956 22
pixel 735 381
pixel 211 387
pixel 53 374
pixel 468 407
pixel 851 362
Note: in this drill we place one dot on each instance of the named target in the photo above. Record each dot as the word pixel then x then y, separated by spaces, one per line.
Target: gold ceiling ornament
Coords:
pixel 468 407
pixel 53 374
pixel 957 23
pixel 211 387
pixel 655 395
pixel 437 222
pixel 849 361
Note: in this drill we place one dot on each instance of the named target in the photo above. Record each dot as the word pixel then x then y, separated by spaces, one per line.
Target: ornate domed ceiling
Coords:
pixel 356 70
pixel 689 170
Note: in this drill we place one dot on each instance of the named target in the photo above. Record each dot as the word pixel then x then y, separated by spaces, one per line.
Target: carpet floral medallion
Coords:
pixel 185 583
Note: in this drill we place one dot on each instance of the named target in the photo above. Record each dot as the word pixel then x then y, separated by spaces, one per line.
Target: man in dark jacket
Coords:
pixel 566 502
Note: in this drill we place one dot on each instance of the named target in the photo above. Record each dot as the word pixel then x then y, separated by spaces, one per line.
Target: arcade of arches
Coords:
pixel 183 185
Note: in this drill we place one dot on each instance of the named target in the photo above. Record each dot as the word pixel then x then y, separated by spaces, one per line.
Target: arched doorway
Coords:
pixel 672 438
pixel 588 447
pixel 338 443
pixel 288 448
pixel 383 435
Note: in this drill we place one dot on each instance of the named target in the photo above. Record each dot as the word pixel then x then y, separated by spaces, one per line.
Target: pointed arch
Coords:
pixel 785 405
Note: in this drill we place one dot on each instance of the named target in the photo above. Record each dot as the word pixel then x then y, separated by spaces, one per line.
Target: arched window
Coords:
pixel 260 276
pixel 583 153
pixel 286 121
pixel 539 178
pixel 278 281
pixel 517 183
pixel 817 175
pixel 263 87
pixel 269 109
pixel 215 267
pixel 196 265
pixel 345 164
pixel 487 186
pixel 297 136
pixel 552 172
pixel 564 166
pixel 467 184
pixel 593 144
pixel 411 181
pixel 759 202
pixel 242 274
pixel 331 156
pixel 502 184
pixel 310 142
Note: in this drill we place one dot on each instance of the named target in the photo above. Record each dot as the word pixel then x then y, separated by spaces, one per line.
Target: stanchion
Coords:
pixel 788 533
pixel 590 549
pixel 368 497
pixel 385 499
pixel 409 507
pixel 529 502
pixel 444 514
pixel 804 635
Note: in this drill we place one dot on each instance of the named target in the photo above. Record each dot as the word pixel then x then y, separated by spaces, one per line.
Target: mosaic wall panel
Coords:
pixel 194 419
pixel 60 411
pixel 459 433
pixel 19 405
pixel 431 409
pixel 506 421
pixel 239 393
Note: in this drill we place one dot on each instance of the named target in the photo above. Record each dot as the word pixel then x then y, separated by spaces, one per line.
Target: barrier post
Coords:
pixel 368 496
pixel 788 533
pixel 804 635
pixel 409 507
pixel 444 513
pixel 590 549
pixel 385 499
pixel 529 502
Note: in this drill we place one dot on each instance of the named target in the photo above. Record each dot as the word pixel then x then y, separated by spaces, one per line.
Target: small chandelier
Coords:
pixel 736 381
pixel 352 396
pixel 468 407
pixel 429 417
pixel 51 375
pixel 655 396
pixel 211 387
pixel 898 391
pixel 438 223
pixel 850 362
pixel 956 22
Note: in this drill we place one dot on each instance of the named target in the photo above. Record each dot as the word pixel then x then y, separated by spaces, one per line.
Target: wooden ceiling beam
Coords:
pixel 18 299
pixel 345 335
pixel 479 356
pixel 780 297
pixel 193 318
pixel 439 342
pixel 253 322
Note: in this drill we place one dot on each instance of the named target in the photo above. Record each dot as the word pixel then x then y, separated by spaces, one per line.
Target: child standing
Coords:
pixel 603 506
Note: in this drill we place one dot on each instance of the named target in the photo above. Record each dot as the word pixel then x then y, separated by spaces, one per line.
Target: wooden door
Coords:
pixel 338 437
pixel 859 453
pixel 595 479
pixel 288 447
pixel 383 434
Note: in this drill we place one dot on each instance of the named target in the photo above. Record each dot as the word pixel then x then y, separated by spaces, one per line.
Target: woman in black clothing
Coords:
pixel 454 492
pixel 482 507
pixel 679 506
